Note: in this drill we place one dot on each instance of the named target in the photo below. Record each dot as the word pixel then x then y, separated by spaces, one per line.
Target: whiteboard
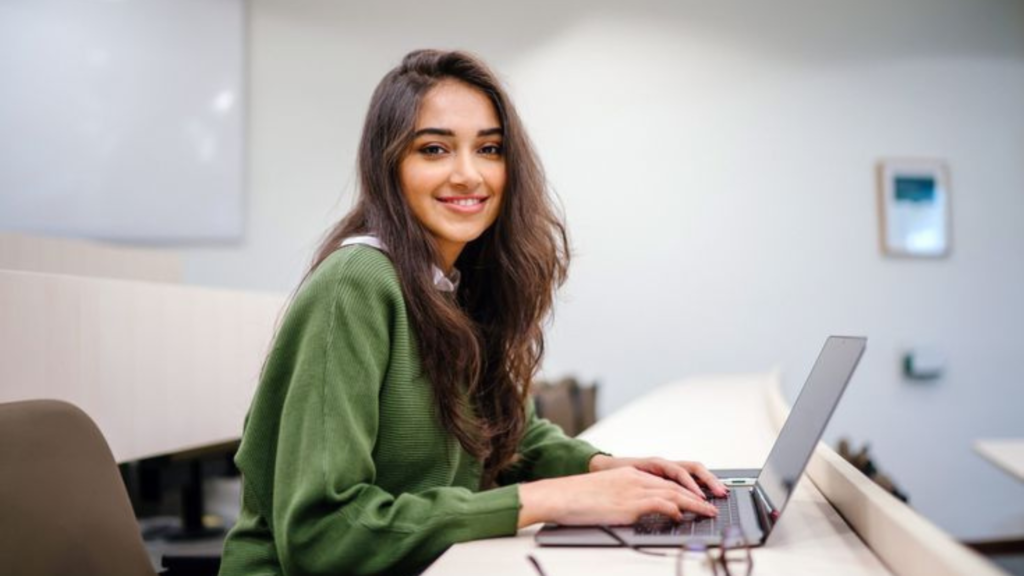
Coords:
pixel 122 120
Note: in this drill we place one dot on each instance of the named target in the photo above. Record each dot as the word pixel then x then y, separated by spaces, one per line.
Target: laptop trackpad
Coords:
pixel 555 535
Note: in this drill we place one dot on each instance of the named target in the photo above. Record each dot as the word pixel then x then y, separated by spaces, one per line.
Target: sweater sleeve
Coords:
pixel 546 452
pixel 326 512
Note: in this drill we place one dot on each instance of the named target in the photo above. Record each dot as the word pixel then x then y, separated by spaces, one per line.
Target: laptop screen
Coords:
pixel 808 417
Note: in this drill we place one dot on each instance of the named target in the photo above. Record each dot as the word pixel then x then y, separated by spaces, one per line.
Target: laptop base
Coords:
pixel 739 481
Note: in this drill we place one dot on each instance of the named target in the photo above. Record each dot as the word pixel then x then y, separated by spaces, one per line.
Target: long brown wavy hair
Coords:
pixel 480 349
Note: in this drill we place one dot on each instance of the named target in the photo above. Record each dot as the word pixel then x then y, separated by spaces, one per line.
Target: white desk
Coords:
pixel 1007 454
pixel 684 421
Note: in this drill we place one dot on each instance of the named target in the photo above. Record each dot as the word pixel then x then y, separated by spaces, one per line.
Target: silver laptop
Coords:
pixel 756 498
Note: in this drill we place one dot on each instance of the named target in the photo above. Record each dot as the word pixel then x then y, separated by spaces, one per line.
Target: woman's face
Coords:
pixel 453 174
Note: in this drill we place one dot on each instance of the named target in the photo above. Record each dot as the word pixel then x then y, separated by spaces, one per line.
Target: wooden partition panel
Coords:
pixel 909 544
pixel 160 367
pixel 87 258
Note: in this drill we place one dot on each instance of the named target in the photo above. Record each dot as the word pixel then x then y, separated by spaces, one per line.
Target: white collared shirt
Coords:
pixel 443 283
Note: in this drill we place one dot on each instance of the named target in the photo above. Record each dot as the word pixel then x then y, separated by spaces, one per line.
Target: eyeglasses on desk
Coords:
pixel 731 558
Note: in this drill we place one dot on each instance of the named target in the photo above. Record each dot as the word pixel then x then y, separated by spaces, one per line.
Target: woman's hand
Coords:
pixel 615 497
pixel 682 472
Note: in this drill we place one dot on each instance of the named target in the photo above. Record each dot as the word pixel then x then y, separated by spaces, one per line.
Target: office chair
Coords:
pixel 63 506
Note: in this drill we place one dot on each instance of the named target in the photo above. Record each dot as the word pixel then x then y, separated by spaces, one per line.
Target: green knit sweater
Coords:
pixel 345 467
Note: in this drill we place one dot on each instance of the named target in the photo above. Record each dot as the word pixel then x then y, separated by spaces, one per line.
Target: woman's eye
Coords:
pixel 491 149
pixel 432 150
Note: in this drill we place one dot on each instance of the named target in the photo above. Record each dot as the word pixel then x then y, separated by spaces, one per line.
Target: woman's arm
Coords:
pixel 611 497
pixel 308 459
pixel 617 492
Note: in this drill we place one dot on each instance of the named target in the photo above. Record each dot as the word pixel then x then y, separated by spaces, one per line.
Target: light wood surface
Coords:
pixel 1006 453
pixel 723 422
pixel 161 368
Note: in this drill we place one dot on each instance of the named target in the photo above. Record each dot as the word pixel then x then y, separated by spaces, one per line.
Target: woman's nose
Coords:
pixel 465 173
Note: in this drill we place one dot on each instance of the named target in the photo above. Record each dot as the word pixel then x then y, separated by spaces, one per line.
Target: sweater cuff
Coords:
pixel 495 513
pixel 587 453
pixel 573 457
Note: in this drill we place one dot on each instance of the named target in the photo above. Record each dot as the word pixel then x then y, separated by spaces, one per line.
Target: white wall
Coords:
pixel 716 163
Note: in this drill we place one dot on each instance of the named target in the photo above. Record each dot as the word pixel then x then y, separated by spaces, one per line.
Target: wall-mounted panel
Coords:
pixel 122 120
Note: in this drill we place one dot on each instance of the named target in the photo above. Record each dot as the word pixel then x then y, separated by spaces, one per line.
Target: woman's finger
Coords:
pixel 658 505
pixel 680 474
pixel 667 477
pixel 685 501
pixel 710 480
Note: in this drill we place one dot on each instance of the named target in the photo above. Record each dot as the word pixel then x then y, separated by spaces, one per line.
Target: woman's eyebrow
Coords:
pixel 447 132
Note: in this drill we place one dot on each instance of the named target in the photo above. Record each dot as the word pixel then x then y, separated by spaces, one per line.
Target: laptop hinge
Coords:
pixel 766 514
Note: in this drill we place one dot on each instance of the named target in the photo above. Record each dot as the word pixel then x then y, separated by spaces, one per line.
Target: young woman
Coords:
pixel 392 417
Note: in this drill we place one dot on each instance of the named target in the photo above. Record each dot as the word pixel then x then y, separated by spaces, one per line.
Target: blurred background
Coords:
pixel 716 163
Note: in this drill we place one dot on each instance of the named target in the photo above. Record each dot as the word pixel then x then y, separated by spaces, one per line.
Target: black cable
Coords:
pixel 536 565
pixel 633 547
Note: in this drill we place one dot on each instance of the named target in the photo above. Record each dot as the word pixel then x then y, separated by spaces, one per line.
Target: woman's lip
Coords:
pixel 453 198
pixel 470 209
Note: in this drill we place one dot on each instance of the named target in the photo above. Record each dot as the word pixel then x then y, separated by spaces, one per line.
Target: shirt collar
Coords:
pixel 449 283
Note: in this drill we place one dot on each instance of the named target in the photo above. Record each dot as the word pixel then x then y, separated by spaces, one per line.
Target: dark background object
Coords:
pixel 567 403
pixel 166 487
pixel 863 462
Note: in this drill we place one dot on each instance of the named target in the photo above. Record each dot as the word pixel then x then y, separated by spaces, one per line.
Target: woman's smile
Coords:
pixel 464 204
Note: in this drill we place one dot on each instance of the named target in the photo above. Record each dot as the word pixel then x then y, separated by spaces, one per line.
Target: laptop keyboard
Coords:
pixel 692 524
